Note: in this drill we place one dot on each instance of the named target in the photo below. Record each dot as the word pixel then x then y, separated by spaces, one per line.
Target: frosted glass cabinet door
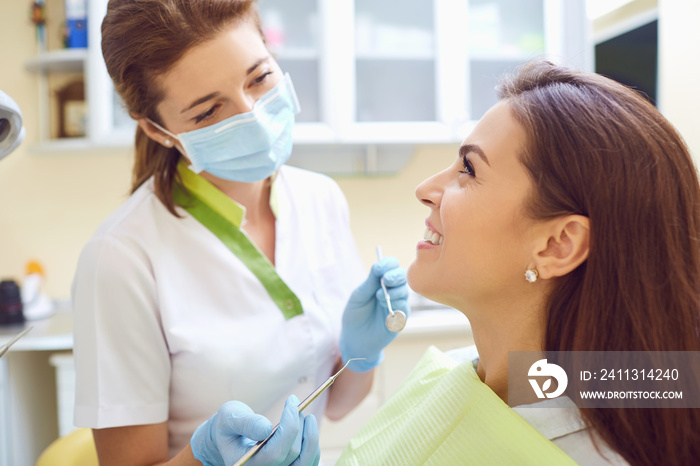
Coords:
pixel 109 122
pixel 502 35
pixel 395 61
pixel 121 121
pixel 292 32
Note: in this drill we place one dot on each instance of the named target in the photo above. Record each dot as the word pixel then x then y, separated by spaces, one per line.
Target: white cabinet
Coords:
pixel 373 72
pixel 61 63
pixel 501 35
pixel 28 396
pixel 421 71
pixel 107 123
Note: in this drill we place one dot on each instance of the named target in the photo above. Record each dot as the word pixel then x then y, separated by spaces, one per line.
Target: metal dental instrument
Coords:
pixel 307 401
pixel 4 349
pixel 396 320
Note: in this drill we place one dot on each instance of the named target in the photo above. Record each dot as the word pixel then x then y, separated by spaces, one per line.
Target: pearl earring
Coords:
pixel 168 142
pixel 531 275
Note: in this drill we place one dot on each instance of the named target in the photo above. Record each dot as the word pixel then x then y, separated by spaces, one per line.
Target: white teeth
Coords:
pixel 432 237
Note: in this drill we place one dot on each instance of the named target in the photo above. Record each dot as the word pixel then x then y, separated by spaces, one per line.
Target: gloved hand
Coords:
pixel 364 333
pixel 229 433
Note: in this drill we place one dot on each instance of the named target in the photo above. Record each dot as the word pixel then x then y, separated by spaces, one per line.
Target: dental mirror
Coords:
pixel 396 320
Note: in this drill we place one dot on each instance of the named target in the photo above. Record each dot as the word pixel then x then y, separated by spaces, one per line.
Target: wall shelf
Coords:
pixel 65 60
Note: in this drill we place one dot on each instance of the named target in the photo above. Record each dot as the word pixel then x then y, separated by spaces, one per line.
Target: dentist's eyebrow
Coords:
pixel 200 101
pixel 468 148
pixel 257 63
pixel 213 95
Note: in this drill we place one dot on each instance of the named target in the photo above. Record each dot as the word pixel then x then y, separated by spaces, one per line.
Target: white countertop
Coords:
pixel 437 321
pixel 56 332
pixel 53 333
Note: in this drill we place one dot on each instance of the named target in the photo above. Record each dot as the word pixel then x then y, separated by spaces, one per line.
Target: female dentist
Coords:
pixel 224 276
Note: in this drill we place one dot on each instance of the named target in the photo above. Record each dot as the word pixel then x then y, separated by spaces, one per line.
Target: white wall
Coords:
pixel 623 14
pixel 679 68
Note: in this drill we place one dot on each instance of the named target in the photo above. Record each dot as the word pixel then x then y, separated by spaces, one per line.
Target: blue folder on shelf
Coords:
pixel 76 33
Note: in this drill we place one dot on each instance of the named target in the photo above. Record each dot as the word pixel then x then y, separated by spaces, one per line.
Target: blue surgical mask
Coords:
pixel 249 146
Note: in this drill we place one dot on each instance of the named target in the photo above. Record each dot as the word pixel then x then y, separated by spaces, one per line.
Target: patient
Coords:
pixel 568 222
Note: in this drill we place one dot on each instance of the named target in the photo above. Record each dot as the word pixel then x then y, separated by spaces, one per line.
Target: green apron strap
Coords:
pixel 241 246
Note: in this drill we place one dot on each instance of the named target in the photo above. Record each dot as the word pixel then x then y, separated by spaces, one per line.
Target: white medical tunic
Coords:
pixel 170 324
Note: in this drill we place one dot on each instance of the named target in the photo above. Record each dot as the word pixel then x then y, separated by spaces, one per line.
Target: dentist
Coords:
pixel 224 283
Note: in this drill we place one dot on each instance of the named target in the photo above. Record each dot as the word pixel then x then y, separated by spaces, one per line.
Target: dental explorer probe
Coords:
pixel 4 349
pixel 396 320
pixel 307 401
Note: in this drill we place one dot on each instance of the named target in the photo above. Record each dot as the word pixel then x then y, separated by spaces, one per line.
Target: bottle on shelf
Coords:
pixel 37 305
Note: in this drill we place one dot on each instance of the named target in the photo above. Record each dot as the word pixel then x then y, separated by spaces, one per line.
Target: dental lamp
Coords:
pixel 11 135
pixel 11 129
pixel 33 303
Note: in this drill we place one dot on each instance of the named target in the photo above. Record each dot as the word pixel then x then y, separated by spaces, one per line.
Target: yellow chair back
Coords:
pixel 74 449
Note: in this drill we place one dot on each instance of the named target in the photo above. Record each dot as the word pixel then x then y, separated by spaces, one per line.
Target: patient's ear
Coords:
pixel 567 246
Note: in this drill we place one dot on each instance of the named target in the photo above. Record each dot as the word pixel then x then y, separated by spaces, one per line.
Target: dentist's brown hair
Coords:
pixel 143 39
pixel 597 148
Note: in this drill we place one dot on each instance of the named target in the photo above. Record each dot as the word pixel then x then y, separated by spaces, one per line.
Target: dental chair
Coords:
pixel 74 449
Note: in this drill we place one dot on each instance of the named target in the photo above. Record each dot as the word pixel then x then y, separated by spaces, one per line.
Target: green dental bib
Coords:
pixel 442 415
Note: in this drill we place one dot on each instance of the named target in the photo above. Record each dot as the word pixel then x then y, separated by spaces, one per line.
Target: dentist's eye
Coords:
pixel 262 77
pixel 206 115
pixel 468 168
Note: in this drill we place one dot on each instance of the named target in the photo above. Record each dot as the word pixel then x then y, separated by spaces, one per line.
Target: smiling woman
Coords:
pixel 477 211
pixel 568 222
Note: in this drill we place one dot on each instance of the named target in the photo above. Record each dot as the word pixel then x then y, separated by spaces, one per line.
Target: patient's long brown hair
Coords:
pixel 143 39
pixel 596 148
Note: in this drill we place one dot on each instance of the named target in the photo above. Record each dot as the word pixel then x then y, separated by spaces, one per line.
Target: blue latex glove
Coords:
pixel 229 433
pixel 364 333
